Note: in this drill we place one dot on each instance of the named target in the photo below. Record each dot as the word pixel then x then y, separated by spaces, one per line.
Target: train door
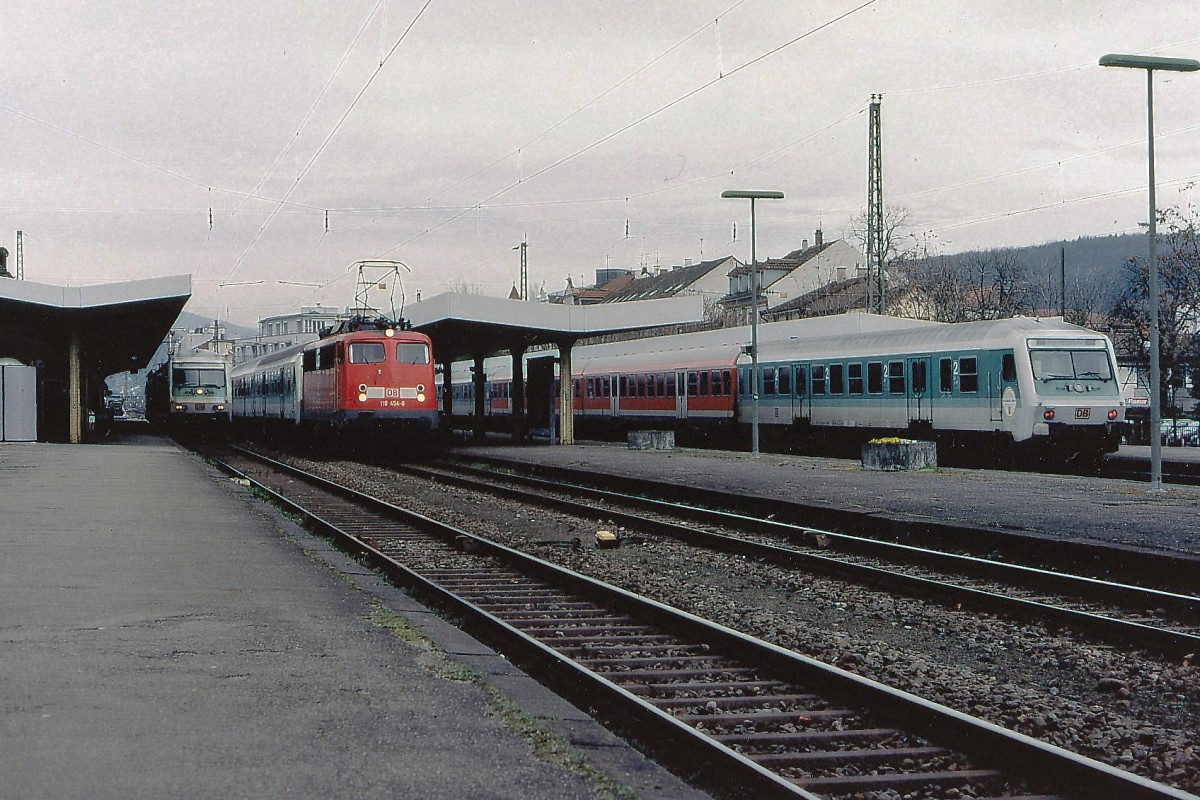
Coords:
pixel 801 401
pixel 920 399
pixel 681 385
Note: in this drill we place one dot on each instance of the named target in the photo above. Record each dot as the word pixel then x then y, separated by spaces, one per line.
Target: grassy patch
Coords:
pixel 546 745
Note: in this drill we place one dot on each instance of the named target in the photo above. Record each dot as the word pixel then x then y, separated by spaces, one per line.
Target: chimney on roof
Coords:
pixel 4 273
pixel 804 244
pixel 820 238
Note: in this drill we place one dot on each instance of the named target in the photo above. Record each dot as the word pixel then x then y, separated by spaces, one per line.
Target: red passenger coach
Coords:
pixel 371 375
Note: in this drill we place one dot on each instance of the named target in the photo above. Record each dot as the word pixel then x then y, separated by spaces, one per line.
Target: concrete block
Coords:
pixel 651 440
pixel 891 455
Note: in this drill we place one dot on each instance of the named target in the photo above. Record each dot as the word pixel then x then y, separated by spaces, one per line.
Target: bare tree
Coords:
pixel 1178 307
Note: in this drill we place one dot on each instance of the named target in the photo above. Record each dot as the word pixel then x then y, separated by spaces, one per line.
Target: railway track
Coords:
pixel 745 717
pixel 1154 619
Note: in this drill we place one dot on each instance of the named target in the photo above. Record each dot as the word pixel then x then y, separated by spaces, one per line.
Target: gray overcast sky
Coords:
pixel 603 131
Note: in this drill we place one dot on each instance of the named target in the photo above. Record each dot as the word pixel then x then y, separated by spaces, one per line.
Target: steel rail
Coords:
pixel 1166 571
pixel 1165 640
pixel 722 767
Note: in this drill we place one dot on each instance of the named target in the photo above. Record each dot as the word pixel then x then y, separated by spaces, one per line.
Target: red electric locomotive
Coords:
pixel 370 374
pixel 363 377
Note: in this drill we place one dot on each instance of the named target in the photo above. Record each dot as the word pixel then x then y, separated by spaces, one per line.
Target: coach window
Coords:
pixel 768 379
pixel 854 373
pixel 623 386
pixel 704 383
pixel 818 379
pixel 968 374
pixel 670 384
pixel 837 379
pixel 367 353
pixel 693 384
pixel 801 381
pixel 1008 367
pixel 875 377
pixel 310 360
pixel 784 385
pixel 947 376
pixel 661 381
pixel 895 377
pixel 727 383
pixel 412 352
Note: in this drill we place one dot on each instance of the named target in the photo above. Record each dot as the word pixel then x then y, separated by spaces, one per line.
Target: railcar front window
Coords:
pixel 412 352
pixel 187 378
pixel 367 353
pixel 1069 365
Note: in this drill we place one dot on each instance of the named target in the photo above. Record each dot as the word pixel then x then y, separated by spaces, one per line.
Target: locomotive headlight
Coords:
pixel 390 332
pixel 1112 415
pixel 219 407
pixel 179 406
pixel 420 397
pixel 362 397
pixel 1048 414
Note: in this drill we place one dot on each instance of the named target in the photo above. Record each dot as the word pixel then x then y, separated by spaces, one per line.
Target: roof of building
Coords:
pixel 833 298
pixel 666 284
pixel 120 325
pixel 788 262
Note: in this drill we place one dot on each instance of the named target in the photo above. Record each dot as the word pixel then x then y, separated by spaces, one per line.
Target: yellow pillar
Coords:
pixel 74 391
pixel 566 397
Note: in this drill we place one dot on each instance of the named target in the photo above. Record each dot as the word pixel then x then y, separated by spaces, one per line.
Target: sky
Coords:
pixel 267 147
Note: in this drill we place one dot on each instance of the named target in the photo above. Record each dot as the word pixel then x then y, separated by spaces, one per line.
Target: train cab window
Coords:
pixel 968 374
pixel 895 372
pixel 837 382
pixel 855 376
pixel 727 383
pixel 693 384
pixel 801 381
pixel 875 377
pixel 818 379
pixel 412 352
pixel 367 353
pixel 1008 367
pixel 783 386
pixel 325 357
pixel 310 360
pixel 947 376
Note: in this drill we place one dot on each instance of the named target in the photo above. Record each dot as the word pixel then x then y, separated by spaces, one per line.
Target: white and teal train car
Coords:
pixel 1039 383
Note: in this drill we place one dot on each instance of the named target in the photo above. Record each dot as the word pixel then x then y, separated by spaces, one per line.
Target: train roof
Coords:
pixel 278 357
pixel 937 337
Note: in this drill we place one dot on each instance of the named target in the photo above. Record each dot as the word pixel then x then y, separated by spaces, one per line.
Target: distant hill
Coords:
pixel 192 321
pixel 1093 259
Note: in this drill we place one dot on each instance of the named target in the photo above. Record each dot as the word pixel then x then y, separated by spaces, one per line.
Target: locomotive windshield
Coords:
pixel 1069 365
pixel 412 352
pixel 193 378
pixel 367 353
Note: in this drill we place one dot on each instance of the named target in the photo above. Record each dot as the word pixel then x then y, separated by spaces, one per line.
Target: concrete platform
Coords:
pixel 163 634
pixel 1054 505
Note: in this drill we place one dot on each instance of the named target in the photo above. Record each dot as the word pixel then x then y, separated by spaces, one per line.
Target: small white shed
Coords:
pixel 18 401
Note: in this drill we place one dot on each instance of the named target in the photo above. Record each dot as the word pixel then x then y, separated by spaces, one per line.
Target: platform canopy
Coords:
pixel 465 326
pixel 78 335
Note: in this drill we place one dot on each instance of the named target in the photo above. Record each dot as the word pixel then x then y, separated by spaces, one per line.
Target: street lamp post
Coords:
pixel 755 374
pixel 1150 64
